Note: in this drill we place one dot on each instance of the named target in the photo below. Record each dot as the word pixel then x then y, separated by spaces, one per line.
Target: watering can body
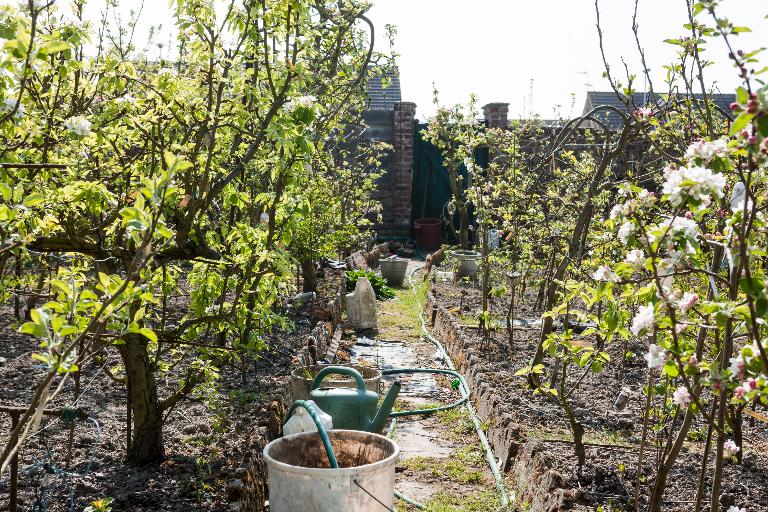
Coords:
pixel 353 408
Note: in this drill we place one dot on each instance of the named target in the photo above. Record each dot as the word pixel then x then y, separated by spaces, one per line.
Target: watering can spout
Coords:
pixel 386 407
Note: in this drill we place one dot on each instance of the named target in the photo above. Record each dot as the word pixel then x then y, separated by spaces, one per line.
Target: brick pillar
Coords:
pixel 495 115
pixel 402 168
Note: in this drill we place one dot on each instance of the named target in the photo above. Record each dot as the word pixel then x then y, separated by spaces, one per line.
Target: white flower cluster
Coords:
pixel 644 319
pixel 9 104
pixel 78 125
pixel 300 101
pixel 626 231
pixel 125 100
pixel 605 273
pixel 687 301
pixel 674 226
pixel 656 356
pixel 706 150
pixel 636 258
pixel 681 397
pixel 697 183
pixel 166 72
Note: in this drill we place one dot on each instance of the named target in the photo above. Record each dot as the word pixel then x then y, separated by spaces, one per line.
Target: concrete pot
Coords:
pixel 467 263
pixel 393 270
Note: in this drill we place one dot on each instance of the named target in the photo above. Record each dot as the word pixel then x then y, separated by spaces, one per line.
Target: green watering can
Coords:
pixel 352 409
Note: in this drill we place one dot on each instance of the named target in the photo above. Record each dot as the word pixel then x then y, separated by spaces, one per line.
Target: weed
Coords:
pixel 380 287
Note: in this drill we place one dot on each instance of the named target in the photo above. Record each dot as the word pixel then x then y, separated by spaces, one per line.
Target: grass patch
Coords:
pixel 407 405
pixel 464 466
pixel 457 421
pixel 482 501
pixel 403 312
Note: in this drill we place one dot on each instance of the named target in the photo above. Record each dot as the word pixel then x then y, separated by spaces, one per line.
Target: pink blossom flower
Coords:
pixel 739 392
pixel 688 300
pixel 644 112
pixel 750 384
pixel 681 397
pixel 730 448
pixel 693 361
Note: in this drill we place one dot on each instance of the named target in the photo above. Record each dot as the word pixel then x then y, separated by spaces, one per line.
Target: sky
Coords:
pixel 540 56
pixel 512 50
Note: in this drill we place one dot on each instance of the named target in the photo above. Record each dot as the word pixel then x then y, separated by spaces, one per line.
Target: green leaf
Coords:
pixel 6 191
pixel 33 199
pixel 148 333
pixel 54 47
pixel 741 122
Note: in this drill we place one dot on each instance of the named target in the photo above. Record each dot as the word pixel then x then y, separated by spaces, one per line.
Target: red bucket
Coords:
pixel 428 233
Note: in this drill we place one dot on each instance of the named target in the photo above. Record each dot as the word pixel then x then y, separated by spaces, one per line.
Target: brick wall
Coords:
pixel 402 171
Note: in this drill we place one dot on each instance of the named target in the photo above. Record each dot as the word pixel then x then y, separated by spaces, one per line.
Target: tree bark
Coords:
pixel 309 274
pixel 147 442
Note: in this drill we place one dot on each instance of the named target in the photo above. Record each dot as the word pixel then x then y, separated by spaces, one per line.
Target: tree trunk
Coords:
pixel 657 494
pixel 147 442
pixel 309 273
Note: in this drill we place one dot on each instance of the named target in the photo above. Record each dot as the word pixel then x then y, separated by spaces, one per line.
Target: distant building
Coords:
pixel 383 94
pixel 640 99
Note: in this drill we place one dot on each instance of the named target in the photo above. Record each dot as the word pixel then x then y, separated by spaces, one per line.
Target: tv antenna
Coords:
pixel 587 85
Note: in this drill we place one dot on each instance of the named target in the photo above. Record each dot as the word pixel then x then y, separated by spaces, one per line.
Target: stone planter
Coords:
pixel 393 270
pixel 466 263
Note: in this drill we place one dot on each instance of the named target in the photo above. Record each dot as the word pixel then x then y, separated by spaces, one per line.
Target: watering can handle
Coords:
pixel 339 370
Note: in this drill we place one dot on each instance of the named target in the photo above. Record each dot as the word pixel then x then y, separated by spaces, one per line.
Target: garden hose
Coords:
pixel 432 410
pixel 497 476
pixel 320 429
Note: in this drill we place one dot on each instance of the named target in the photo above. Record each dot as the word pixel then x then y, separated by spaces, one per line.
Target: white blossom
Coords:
pixel 697 183
pixel 656 356
pixel 644 319
pixel 673 226
pixel 616 211
pixel 734 508
pixel 125 99
pixel 9 104
pixel 626 230
pixel 300 101
pixel 707 150
pixel 731 448
pixel 636 258
pixel 78 125
pixel 605 273
pixel 681 397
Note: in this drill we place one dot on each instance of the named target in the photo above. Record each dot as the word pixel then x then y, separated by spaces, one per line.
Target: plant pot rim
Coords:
pixel 465 254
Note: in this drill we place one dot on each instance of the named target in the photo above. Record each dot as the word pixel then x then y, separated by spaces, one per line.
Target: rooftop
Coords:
pixel 640 99
pixel 384 91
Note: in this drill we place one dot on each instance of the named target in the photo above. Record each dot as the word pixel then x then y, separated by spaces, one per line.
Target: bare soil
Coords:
pixel 608 478
pixel 209 438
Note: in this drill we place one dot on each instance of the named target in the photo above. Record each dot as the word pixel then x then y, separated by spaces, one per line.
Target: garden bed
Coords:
pixel 213 447
pixel 530 433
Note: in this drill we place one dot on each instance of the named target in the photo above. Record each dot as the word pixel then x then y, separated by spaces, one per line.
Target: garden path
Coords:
pixel 442 465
